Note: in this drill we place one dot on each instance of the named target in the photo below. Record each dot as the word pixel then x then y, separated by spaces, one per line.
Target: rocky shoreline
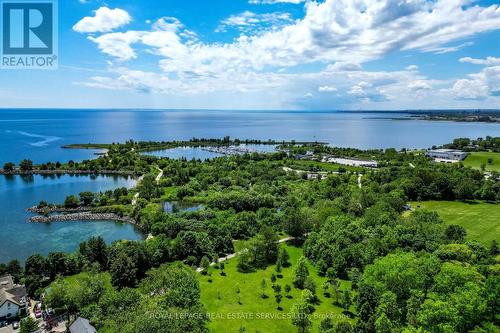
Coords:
pixel 83 216
pixel 57 209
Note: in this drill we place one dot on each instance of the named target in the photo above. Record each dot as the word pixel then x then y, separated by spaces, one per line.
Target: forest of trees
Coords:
pixel 409 273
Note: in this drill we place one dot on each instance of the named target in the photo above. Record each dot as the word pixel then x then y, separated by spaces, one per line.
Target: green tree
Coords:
pixel 221 267
pixel 455 233
pixel 26 165
pixel 9 166
pixel 28 325
pixel 71 201
pixel 301 273
pixel 204 265
pixel 278 297
pixel 123 271
pixel 86 198
pixel 326 325
pixel 283 258
pixel 263 286
pixel 300 316
pixel 346 300
pixel 383 324
pixel 343 326
pixel 310 285
pixel 94 250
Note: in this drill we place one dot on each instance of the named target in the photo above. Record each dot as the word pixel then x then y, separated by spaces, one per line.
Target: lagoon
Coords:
pixel 19 239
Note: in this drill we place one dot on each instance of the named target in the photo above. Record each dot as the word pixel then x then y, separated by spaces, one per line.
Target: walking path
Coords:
pixel 159 175
pixel 157 179
pixel 136 196
pixel 359 180
pixel 232 255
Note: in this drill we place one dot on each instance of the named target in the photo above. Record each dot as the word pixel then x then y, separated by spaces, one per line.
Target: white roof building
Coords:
pixel 447 155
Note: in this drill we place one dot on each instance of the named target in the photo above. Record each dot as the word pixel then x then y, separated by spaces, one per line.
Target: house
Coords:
pixel 447 155
pixel 81 325
pixel 13 298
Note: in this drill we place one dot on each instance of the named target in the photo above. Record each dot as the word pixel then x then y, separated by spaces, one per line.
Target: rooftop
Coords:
pixel 81 325
pixel 12 292
pixel 443 150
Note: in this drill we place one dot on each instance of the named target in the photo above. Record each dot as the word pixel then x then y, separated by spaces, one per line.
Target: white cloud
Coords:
pixel 166 39
pixel 327 89
pixel 104 20
pixel 489 61
pixel 447 49
pixel 343 34
pixel 347 31
pixel 478 86
pixel 344 66
pixel 118 44
pixel 470 89
pixel 249 21
pixel 419 85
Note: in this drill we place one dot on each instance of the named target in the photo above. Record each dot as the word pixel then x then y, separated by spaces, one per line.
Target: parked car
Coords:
pixel 15 325
pixel 38 313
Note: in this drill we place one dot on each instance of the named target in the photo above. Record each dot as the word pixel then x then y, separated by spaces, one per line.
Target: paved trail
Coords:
pixel 232 255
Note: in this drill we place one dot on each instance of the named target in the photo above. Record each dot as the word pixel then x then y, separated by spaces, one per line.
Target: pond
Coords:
pixel 181 206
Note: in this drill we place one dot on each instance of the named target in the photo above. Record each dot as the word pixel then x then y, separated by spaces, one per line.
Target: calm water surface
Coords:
pixel 19 239
pixel 198 153
pixel 39 134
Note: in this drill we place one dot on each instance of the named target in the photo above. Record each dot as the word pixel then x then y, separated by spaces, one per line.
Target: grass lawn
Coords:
pixel 221 299
pixel 474 160
pixel 480 219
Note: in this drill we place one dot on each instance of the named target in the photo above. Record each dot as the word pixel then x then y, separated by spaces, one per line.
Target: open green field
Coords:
pixel 221 299
pixel 475 160
pixel 480 219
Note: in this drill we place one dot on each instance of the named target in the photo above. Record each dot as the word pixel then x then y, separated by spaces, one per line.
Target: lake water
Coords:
pixel 184 152
pixel 39 135
pixel 200 153
pixel 19 239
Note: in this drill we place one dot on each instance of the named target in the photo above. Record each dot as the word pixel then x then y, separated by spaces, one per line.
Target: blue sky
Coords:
pixel 268 54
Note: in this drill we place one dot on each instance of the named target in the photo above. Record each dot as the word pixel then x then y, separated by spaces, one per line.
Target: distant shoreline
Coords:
pixel 65 172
